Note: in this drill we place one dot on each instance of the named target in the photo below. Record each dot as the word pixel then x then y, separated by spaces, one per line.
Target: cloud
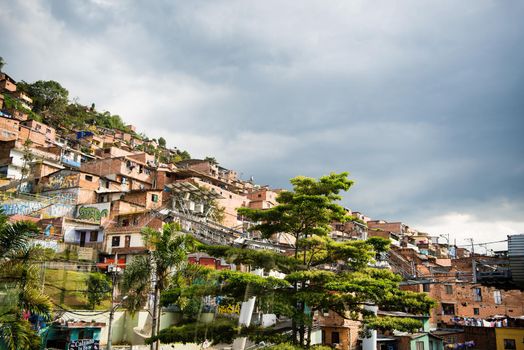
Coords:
pixel 420 101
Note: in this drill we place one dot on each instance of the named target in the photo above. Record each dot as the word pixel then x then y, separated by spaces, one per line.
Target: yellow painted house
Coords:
pixel 509 338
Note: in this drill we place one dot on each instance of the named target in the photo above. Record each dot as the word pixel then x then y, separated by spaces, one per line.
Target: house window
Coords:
pixel 477 294
pixel 419 345
pixel 476 311
pixel 426 287
pixel 125 222
pixel 47 131
pixel 127 241
pixel 497 296
pixel 449 289
pixel 89 178
pixel 115 241
pixel 93 236
pixel 154 197
pixel 448 309
pixel 335 338
pixel 510 344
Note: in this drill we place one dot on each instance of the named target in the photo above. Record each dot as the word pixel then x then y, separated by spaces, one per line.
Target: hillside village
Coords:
pixel 91 189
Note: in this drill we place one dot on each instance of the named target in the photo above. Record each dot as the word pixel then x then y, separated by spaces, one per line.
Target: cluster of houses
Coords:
pixel 93 191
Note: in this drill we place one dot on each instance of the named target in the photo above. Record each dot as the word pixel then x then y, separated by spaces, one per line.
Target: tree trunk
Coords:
pixel 294 330
pixel 309 329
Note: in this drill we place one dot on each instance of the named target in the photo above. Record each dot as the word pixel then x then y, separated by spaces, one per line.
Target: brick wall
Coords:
pixel 8 129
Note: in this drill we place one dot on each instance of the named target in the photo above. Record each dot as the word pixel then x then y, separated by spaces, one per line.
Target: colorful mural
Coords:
pixel 60 180
pixel 22 207
pixel 38 207
pixel 66 196
pixel 93 212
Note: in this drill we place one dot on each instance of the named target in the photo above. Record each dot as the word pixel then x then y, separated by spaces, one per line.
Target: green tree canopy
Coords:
pixel 19 275
pixel 98 288
pixel 49 97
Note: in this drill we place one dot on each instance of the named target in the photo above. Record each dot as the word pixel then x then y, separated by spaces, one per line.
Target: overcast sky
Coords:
pixel 422 101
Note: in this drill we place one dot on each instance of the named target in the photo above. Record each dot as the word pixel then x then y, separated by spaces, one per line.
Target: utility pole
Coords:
pixel 114 270
pixel 473 262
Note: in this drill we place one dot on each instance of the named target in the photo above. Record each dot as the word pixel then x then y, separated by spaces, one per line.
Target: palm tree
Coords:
pixel 20 281
pixel 168 250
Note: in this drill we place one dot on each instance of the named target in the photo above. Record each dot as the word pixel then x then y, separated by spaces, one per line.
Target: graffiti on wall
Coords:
pixel 22 207
pixel 93 212
pixel 50 244
pixel 229 309
pixel 69 196
pixel 61 180
pixel 37 207
pixel 58 210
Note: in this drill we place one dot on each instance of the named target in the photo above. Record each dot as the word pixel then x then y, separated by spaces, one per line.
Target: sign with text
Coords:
pixel 84 344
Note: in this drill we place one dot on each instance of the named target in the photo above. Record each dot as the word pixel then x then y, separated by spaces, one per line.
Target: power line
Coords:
pixel 481 244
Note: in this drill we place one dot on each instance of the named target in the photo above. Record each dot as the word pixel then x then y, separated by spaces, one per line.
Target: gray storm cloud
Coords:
pixel 422 102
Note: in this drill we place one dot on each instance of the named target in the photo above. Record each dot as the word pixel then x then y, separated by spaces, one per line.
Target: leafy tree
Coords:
pixel 20 277
pixel 306 212
pixel 168 253
pixel 28 158
pixel 98 288
pixel 162 142
pixel 49 97
pixel 2 63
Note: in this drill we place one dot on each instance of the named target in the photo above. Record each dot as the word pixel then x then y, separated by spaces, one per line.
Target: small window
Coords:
pixel 497 296
pixel 510 344
pixel 477 294
pixel 125 222
pixel 48 131
pixel 93 236
pixel 420 345
pixel 476 311
pixel 127 241
pixel 154 197
pixel 89 178
pixel 426 287
pixel 448 309
pixel 449 289
pixel 259 195
pixel 335 338
pixel 115 241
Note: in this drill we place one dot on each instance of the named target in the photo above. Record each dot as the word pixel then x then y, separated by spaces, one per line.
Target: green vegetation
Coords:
pixel 19 276
pixel 308 287
pixel 98 289
pixel 169 249
pixel 70 290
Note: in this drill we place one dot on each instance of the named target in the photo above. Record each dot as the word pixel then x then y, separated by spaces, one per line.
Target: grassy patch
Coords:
pixel 68 289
